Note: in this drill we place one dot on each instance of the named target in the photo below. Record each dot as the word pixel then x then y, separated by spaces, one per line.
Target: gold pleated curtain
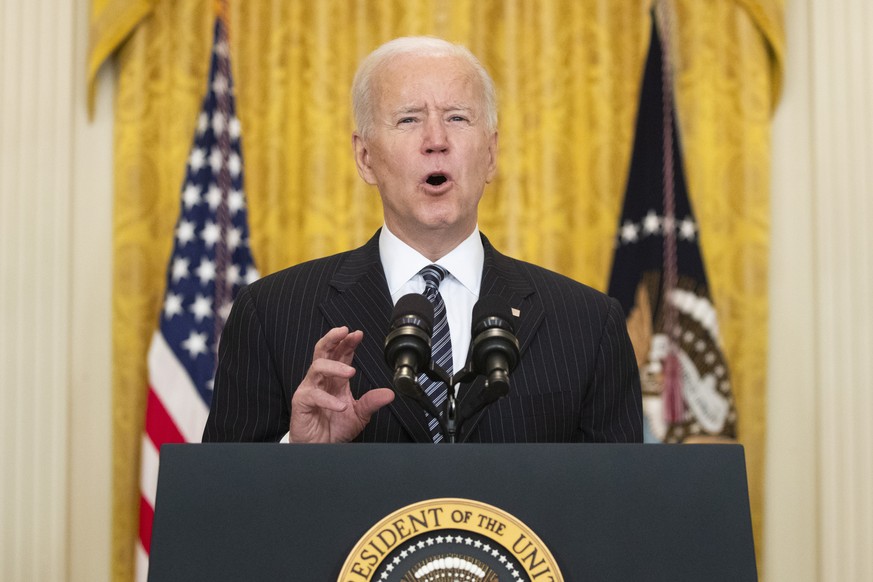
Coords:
pixel 568 74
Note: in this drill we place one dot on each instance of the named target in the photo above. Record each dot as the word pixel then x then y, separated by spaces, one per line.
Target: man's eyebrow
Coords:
pixel 469 111
pixel 458 107
pixel 409 109
pixel 420 108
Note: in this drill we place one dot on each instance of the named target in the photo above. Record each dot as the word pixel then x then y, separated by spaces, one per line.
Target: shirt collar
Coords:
pixel 401 262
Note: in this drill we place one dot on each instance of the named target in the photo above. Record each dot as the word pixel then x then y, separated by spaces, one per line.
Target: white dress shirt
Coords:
pixel 460 289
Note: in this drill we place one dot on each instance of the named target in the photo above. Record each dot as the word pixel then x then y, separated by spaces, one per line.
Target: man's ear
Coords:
pixel 492 158
pixel 362 159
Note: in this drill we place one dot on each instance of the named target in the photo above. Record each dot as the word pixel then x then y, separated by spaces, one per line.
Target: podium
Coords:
pixel 301 512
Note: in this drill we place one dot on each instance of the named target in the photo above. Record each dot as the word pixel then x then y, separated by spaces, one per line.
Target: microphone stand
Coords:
pixel 449 423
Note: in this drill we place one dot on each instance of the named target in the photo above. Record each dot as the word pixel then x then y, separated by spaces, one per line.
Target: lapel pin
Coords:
pixel 516 312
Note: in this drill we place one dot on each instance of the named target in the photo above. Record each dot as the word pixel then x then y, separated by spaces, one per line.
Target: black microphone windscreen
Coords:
pixel 416 305
pixel 493 306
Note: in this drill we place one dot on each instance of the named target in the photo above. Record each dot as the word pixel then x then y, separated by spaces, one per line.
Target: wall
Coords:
pixel 819 502
pixel 55 220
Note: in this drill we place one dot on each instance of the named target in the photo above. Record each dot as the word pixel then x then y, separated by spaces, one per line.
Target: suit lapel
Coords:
pixel 362 302
pixel 501 276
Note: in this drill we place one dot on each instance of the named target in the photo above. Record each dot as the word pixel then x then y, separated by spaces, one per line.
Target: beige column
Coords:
pixel 819 501
pixel 55 229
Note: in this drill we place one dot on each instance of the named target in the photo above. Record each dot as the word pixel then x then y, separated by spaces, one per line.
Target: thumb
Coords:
pixel 372 401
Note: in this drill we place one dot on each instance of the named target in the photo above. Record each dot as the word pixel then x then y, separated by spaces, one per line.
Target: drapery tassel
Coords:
pixel 674 407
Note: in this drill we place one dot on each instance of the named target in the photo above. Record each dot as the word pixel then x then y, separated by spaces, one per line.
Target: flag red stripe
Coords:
pixel 146 515
pixel 159 424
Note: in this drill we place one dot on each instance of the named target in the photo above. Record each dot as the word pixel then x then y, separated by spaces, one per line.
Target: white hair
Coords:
pixel 362 86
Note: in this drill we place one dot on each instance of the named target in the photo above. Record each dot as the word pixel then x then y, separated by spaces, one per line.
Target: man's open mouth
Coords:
pixel 436 179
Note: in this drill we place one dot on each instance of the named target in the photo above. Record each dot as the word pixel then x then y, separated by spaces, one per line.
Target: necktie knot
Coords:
pixel 433 276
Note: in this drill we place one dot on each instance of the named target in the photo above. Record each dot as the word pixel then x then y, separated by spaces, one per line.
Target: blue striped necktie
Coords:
pixel 441 345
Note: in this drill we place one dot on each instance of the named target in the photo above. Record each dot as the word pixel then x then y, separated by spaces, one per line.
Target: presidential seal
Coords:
pixel 450 540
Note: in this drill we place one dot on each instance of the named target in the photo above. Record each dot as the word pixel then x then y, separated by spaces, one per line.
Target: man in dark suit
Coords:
pixel 427 138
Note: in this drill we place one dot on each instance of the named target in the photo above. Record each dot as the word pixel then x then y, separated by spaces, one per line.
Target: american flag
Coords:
pixel 211 260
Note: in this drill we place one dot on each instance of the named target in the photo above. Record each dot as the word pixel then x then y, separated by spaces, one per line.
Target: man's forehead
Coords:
pixel 409 69
pixel 412 80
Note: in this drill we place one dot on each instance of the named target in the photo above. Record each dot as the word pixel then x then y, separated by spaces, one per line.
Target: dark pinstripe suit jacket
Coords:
pixel 576 381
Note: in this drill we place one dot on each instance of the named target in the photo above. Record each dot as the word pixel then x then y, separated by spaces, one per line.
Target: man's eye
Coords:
pixel 457 118
pixel 406 120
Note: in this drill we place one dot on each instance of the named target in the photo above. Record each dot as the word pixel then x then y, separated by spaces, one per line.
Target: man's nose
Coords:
pixel 435 138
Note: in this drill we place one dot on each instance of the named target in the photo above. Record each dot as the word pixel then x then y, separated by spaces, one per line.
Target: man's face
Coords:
pixel 429 151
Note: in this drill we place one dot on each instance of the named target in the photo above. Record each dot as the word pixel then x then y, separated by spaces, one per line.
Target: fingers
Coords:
pixel 338 344
pixel 322 407
pixel 331 359
pixel 372 401
pixel 327 375
pixel 320 399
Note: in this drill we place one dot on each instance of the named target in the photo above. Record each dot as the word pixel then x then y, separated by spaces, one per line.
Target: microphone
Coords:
pixel 407 345
pixel 494 351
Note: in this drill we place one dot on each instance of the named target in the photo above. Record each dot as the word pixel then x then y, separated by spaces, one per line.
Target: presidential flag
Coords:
pixel 211 260
pixel 658 276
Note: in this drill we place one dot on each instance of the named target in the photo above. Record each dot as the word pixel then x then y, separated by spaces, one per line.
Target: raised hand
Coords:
pixel 323 409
